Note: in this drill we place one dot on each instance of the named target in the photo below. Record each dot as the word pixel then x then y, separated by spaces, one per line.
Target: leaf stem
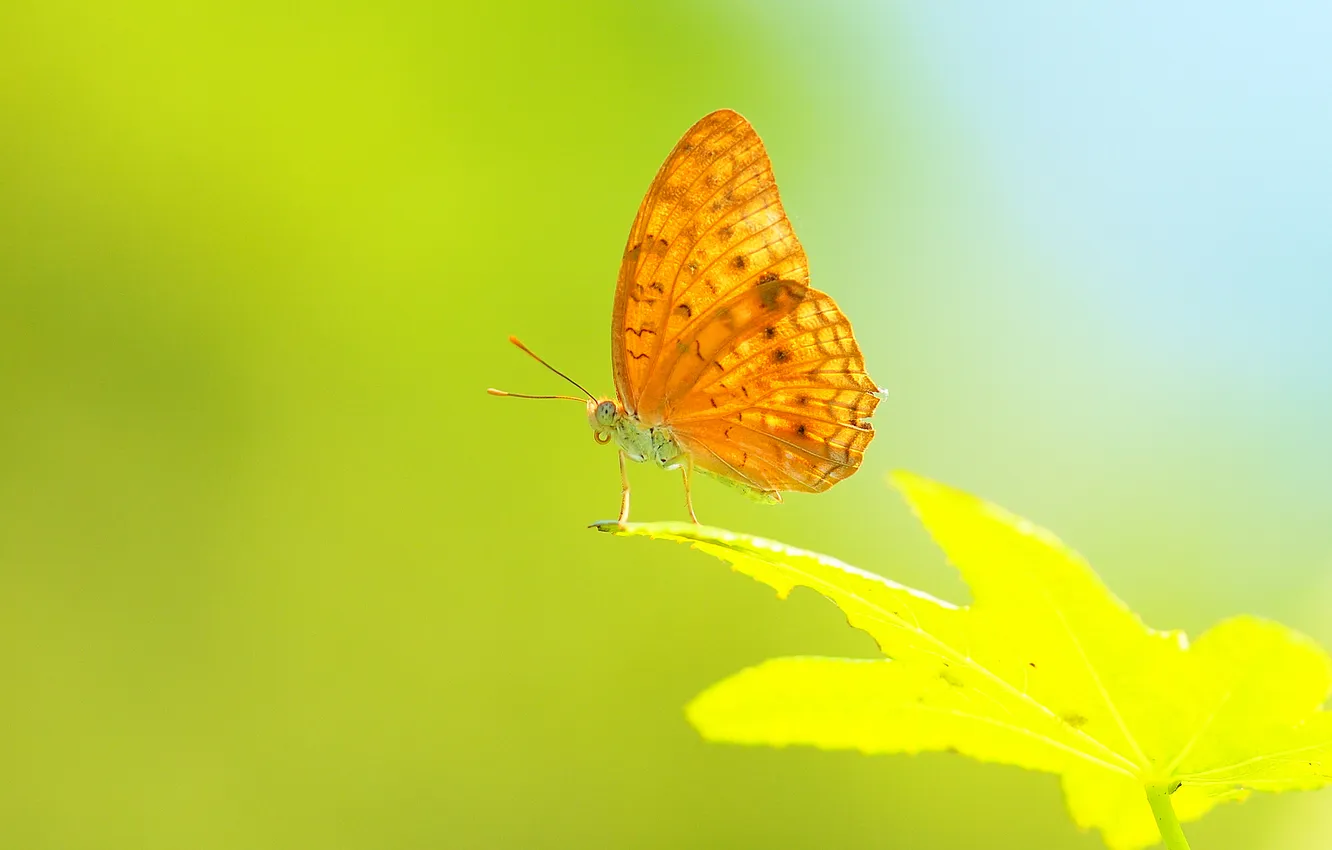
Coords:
pixel 1158 796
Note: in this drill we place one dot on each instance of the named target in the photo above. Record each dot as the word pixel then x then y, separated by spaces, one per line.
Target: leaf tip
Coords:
pixel 916 488
pixel 902 479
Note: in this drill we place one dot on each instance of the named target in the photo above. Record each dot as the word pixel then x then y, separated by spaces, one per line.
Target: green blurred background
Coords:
pixel 275 572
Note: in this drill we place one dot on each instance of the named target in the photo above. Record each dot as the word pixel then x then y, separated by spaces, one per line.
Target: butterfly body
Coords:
pixel 725 359
pixel 639 442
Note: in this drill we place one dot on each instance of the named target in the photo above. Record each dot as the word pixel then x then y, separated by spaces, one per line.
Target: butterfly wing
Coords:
pixel 717 333
pixel 787 408
pixel 712 205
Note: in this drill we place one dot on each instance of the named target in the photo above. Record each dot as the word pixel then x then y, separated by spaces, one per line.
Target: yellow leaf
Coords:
pixel 1045 670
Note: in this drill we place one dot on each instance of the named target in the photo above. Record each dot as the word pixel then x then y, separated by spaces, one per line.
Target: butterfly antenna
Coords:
pixel 530 353
pixel 494 391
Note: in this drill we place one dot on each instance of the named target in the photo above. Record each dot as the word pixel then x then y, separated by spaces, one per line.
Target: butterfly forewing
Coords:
pixel 717 334
pixel 711 224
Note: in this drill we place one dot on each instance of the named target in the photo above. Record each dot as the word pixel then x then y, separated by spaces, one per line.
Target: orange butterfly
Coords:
pixel 726 360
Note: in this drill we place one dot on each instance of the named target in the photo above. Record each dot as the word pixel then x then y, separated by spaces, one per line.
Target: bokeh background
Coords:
pixel 275 572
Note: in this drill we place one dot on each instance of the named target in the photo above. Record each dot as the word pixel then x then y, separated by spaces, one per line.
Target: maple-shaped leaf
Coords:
pixel 1045 670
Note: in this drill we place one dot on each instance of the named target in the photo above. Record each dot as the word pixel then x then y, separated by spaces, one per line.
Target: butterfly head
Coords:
pixel 603 415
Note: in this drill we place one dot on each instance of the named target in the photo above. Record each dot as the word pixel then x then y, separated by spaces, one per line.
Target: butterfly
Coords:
pixel 726 361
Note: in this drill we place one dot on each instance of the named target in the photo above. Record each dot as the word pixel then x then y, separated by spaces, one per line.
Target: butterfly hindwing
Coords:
pixel 790 403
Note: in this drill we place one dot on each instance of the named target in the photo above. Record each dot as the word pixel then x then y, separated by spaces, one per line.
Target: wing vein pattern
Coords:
pixel 717 334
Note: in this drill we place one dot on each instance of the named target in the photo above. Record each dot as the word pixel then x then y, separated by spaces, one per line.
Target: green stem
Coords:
pixel 1158 796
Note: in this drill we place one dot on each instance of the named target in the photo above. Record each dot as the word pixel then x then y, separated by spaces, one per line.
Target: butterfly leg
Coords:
pixel 686 468
pixel 624 491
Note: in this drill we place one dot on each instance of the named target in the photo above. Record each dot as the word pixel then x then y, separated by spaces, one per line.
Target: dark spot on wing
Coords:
pixel 769 292
pixel 781 355
pixel 739 261
pixel 769 332
pixel 684 310
pixel 658 287
pixel 800 429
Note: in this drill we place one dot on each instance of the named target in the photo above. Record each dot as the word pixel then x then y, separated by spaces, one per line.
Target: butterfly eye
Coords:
pixel 606 413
